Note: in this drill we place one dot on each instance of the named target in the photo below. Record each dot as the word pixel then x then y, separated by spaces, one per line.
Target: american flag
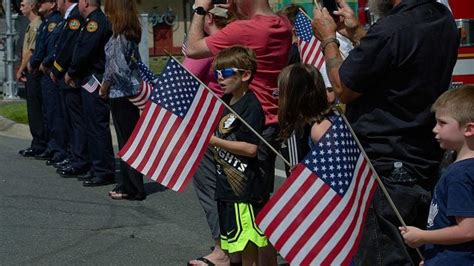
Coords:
pixel 92 84
pixel 317 216
pixel 173 131
pixel 309 46
pixel 148 78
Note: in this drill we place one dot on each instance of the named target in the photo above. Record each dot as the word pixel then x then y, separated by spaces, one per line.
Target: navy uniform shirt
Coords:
pixel 401 67
pixel 66 42
pixel 46 29
pixel 89 55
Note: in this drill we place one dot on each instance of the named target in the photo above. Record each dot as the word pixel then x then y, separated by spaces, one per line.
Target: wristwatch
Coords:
pixel 199 10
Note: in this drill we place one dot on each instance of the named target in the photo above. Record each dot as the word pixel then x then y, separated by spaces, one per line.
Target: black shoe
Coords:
pixel 53 161
pixel 71 171
pixel 28 152
pixel 85 177
pixel 44 156
pixel 61 164
pixel 96 182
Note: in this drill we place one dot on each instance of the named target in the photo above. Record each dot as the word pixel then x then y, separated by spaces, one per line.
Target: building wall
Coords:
pixel 180 8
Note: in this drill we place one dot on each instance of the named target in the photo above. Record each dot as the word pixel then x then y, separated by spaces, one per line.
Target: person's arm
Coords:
pixel 325 30
pixel 318 130
pixel 349 25
pixel 25 58
pixel 65 46
pixel 197 47
pixel 89 42
pixel 235 147
pixel 452 235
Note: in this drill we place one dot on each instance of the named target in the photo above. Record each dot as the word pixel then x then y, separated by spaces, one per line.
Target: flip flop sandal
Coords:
pixel 208 262
pixel 119 196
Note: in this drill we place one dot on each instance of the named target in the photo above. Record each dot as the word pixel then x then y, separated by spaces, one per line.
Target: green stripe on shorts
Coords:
pixel 246 230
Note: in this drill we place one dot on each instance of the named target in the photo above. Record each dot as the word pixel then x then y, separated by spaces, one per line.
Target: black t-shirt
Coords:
pixel 401 67
pixel 237 176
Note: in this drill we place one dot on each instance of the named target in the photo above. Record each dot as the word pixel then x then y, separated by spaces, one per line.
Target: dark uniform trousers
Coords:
pixel 54 118
pixel 96 115
pixel 34 105
pixel 71 102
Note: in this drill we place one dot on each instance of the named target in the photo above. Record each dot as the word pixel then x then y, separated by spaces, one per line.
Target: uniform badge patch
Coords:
pixel 92 26
pixel 51 26
pixel 74 24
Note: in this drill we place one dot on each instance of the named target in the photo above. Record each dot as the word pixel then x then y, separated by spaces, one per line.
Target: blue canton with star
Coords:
pixel 175 89
pixel 145 73
pixel 333 159
pixel 303 27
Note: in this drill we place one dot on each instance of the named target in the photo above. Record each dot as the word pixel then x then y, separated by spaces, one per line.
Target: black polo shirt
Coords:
pixel 401 67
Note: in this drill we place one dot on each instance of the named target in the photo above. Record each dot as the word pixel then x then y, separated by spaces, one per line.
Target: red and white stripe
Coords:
pixel 143 95
pixel 166 147
pixel 310 224
pixel 311 53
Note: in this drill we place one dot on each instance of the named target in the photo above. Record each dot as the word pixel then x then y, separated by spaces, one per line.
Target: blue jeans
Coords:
pixel 381 242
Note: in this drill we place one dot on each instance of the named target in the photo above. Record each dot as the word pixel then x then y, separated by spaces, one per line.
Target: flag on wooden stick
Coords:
pixel 317 215
pixel 92 84
pixel 174 129
pixel 309 46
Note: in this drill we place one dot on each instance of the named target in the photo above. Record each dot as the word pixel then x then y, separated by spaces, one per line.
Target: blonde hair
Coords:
pixel 458 103
pixel 238 57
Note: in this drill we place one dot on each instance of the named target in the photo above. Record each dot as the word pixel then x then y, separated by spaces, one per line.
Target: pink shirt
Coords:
pixel 202 69
pixel 270 38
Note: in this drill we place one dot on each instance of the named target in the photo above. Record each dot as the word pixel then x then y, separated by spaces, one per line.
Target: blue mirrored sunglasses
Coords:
pixel 226 72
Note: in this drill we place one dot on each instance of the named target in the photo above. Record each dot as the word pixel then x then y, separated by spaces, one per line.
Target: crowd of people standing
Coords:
pixel 242 49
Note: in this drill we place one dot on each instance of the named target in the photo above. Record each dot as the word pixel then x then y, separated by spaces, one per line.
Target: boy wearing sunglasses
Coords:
pixel 239 187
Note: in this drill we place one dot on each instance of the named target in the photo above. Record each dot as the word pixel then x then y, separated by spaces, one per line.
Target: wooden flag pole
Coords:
pixel 235 113
pixel 379 180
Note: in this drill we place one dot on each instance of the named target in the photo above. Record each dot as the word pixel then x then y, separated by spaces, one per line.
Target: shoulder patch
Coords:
pixel 74 24
pixel 92 26
pixel 51 26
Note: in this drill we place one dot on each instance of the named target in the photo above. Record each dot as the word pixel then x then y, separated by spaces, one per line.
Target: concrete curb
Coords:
pixel 12 129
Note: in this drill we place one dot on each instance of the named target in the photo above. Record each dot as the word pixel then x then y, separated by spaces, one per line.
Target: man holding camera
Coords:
pixel 269 35
pixel 389 82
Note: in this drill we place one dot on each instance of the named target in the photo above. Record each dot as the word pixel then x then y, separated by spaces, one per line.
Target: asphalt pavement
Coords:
pixel 49 220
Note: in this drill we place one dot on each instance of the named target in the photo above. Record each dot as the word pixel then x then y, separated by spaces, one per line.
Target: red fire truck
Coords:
pixel 463 11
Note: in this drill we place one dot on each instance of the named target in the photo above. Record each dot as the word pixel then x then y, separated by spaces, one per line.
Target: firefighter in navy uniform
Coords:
pixel 88 64
pixel 51 104
pixel 71 100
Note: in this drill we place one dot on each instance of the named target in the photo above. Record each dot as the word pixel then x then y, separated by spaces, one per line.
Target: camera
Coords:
pixel 331 6
pixel 216 2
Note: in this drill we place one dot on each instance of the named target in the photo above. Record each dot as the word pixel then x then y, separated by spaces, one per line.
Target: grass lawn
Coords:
pixel 14 111
pixel 157 63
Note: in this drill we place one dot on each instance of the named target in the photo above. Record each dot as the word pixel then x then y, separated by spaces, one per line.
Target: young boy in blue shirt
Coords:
pixel 449 238
pixel 239 185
